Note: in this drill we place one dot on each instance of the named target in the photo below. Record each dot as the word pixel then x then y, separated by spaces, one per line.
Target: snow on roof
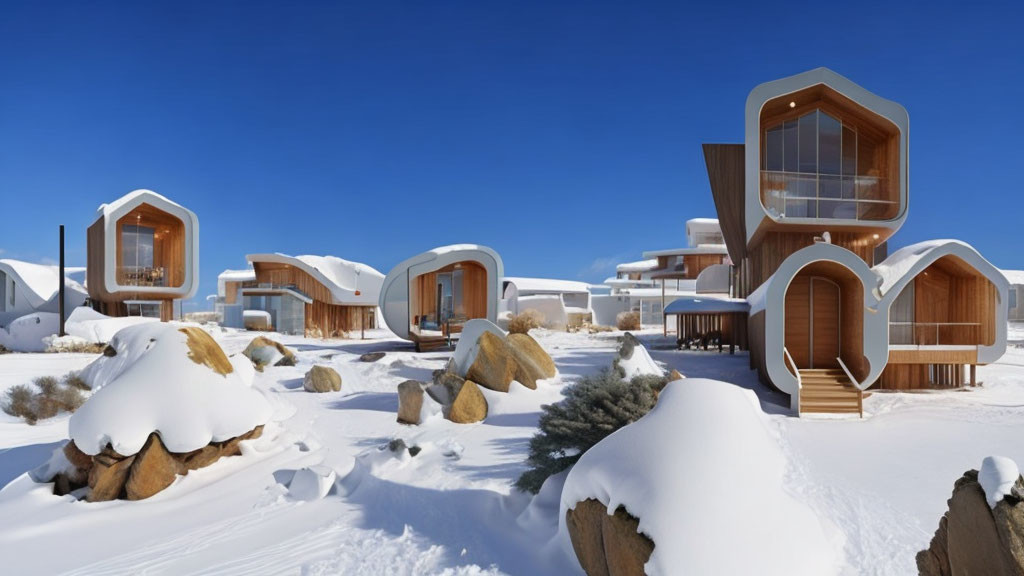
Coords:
pixel 547 285
pixel 111 207
pixel 1014 277
pixel 153 384
pixel 756 298
pixel 237 275
pixel 40 281
pixel 699 249
pixel 725 462
pixel 703 221
pixel 703 303
pixel 900 262
pixel 638 266
pixel 341 277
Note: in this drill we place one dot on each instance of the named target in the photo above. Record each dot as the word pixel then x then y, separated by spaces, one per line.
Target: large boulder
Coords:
pixel 607 545
pixel 322 379
pixel 493 366
pixel 468 404
pixel 976 538
pixel 263 351
pixel 410 401
pixel 532 362
pixel 108 475
pixel 153 470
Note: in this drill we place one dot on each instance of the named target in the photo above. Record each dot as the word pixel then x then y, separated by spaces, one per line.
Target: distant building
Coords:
pixel 26 288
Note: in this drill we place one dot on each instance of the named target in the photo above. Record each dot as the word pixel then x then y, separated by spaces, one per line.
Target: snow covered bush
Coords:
pixel 525 321
pixel 627 321
pixel 48 399
pixel 593 408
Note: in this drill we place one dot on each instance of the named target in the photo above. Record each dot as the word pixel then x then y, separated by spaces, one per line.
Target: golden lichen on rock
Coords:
pixel 203 349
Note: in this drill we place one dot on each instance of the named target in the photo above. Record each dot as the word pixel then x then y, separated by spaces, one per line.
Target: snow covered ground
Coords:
pixel 882 481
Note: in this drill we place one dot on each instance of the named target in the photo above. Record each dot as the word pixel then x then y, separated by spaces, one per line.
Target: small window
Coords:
pixel 1013 297
pixel 143 309
pixel 12 293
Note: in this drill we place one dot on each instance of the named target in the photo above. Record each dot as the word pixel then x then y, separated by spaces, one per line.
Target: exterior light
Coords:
pixel 875 236
pixel 792 104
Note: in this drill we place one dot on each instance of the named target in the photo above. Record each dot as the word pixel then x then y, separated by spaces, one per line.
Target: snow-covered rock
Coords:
pixel 28 333
pixel 703 467
pixel 88 324
pixel 467 349
pixel 997 476
pixel 634 360
pixel 165 379
pixel 311 483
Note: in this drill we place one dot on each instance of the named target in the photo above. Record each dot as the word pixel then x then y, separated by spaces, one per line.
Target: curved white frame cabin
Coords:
pixel 394 296
pixel 103 284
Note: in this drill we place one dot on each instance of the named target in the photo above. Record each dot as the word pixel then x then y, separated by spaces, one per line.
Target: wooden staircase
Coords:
pixel 829 391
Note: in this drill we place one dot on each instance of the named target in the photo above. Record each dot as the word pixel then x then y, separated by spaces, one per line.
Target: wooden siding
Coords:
pixel 231 292
pixel 768 254
pixel 726 164
pixel 798 321
pixel 921 376
pixel 951 291
pixel 279 274
pixel 825 323
pixel 696 263
pixel 927 355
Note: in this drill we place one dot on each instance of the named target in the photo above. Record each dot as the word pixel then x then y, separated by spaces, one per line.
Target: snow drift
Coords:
pixel 704 475
pixel 164 379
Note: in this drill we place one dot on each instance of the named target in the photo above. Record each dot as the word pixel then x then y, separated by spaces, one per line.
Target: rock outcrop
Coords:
pixel 111 476
pixel 974 538
pixel 494 366
pixel 607 545
pixel 263 351
pixel 532 362
pixel 321 379
pixel 410 401
pixel 468 404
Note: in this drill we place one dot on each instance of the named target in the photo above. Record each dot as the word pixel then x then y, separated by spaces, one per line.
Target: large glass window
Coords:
pixel 137 246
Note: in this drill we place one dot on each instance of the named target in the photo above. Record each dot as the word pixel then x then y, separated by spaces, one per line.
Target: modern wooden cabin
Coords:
pixel 807 205
pixel 427 298
pixel 143 254
pixel 321 296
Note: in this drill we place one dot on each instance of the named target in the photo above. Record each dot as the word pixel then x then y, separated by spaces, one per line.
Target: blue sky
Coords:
pixel 565 136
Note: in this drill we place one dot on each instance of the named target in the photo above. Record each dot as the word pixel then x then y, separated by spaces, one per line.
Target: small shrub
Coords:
pixel 18 401
pixel 76 347
pixel 593 408
pixel 627 321
pixel 597 328
pixel 74 380
pixel 525 321
pixel 48 399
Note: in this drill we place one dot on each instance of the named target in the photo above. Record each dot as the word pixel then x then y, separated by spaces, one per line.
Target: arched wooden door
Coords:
pixel 824 297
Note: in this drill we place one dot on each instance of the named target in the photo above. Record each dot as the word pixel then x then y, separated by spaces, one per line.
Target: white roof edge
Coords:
pixel 338 275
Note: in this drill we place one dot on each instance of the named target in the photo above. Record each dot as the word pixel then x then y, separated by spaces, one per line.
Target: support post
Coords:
pixel 974 382
pixel 60 289
pixel 664 319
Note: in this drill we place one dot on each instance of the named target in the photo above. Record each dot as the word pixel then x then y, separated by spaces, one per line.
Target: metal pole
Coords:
pixel 60 289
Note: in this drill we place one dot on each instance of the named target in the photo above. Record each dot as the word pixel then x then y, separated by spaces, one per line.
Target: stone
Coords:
pixel 108 476
pixel 586 533
pixel 76 457
pixel 371 356
pixel 322 379
pixel 607 545
pixel 532 362
pixel 468 404
pixel 973 538
pixel 625 549
pixel 261 351
pixel 200 458
pixel 493 367
pixel 410 401
pixel 153 470
pixel 674 375
pixel 109 351
pixel 204 350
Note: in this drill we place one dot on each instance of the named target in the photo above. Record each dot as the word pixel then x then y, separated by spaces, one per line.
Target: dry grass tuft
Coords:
pixel 76 348
pixel 74 380
pixel 628 321
pixel 525 321
pixel 48 399
pixel 203 349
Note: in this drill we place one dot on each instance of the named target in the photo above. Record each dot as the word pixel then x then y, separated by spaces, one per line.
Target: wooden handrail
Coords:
pixel 796 372
pixel 860 393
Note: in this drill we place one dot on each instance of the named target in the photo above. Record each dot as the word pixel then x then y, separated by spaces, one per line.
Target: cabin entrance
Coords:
pixel 823 317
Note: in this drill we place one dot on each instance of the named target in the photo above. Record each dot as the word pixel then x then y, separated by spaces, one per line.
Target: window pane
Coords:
pixel 789 146
pixel 829 144
pixel 849 151
pixel 137 246
pixel 809 142
pixel 773 149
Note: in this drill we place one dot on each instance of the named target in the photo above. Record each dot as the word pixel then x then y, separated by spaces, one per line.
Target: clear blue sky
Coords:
pixel 566 137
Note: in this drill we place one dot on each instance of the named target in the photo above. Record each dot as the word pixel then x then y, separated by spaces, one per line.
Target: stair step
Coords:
pixel 840 393
pixel 829 409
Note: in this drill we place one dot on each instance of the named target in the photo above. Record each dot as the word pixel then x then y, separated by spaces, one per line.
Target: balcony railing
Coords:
pixel 803 195
pixel 142 276
pixel 934 333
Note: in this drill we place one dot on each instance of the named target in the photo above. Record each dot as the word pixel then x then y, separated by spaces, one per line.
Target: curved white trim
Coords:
pixel 111 213
pixel 876 322
pixel 892 111
pixel 394 293
pixel 339 276
pixel 927 253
